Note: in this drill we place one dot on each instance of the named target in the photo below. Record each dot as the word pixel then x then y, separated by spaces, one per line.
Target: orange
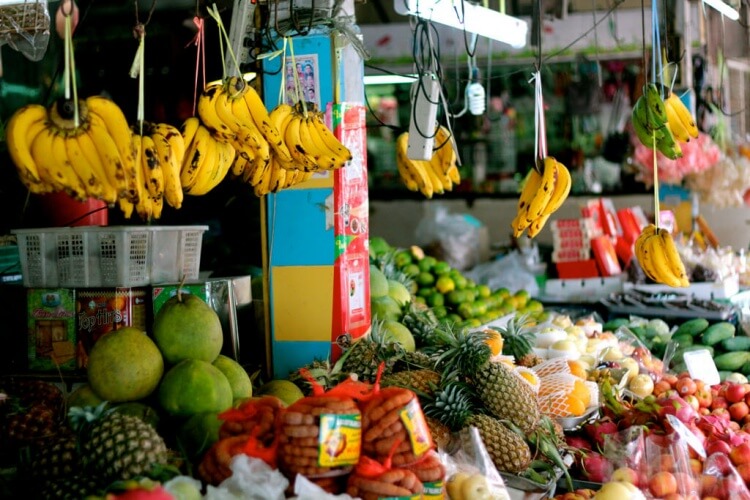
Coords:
pixel 581 392
pixel 494 341
pixel 576 407
pixel 577 369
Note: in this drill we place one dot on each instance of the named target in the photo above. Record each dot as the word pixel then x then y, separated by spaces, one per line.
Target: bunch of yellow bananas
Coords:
pixel 666 121
pixel 206 160
pixel 680 121
pixel 658 256
pixel 435 176
pixel 92 159
pixel 541 196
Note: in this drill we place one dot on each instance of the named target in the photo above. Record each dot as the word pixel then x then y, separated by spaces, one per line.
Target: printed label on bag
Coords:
pixel 433 490
pixel 339 439
pixel 419 434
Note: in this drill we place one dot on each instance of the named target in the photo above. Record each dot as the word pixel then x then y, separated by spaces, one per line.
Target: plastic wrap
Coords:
pixel 25 27
pixel 470 459
pixel 251 479
pixel 516 271
pixel 450 237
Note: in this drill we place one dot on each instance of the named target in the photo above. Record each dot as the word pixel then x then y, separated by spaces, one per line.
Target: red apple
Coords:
pixel 718 446
pixel 704 397
pixel 719 402
pixel 722 413
pixel 740 454
pixel 735 393
pixel 627 475
pixel 661 387
pixel 686 386
pixel 735 426
pixel 666 462
pixel 662 483
pixel 739 411
pixel 669 378
pixel 704 411
pixel 744 471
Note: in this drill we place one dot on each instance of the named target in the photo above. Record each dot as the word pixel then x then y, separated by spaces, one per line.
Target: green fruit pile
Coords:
pixel 432 282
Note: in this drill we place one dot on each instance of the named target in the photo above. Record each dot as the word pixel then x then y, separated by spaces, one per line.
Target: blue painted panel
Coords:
pixel 289 356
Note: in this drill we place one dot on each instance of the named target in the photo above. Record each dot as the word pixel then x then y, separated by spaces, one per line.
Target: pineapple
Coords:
pixel 423 382
pixel 71 488
pixel 421 321
pixel 441 434
pixel 509 451
pixel 413 361
pixel 33 410
pixel 116 446
pixel 518 341
pixel 451 404
pixel 364 355
pixel 502 392
pixel 54 458
pixel 323 373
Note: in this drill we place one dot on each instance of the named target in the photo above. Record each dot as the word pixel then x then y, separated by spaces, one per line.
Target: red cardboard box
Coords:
pixel 610 224
pixel 630 224
pixel 571 255
pixel 624 250
pixel 577 269
pixel 580 242
pixel 605 255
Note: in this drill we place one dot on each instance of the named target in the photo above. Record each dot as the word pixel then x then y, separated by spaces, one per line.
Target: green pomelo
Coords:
pixel 83 395
pixel 378 246
pixel 124 365
pixel 187 328
pixel 378 283
pixel 396 332
pixel 385 308
pixel 239 380
pixel 286 390
pixel 196 435
pixel 398 292
pixel 194 386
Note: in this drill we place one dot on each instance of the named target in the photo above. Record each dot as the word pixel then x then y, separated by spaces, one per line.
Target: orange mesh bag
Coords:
pixel 373 480
pixel 215 465
pixel 393 415
pixel 320 435
pixel 431 473
pixel 256 416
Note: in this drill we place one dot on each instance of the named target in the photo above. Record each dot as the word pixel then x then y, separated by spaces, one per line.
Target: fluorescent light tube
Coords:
pixel 473 18
pixel 724 8
pixel 389 79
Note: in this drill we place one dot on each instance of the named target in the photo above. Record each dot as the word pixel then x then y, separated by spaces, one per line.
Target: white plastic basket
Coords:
pixel 94 256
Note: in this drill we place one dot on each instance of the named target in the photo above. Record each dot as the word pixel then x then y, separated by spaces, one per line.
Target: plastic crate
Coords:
pixel 93 256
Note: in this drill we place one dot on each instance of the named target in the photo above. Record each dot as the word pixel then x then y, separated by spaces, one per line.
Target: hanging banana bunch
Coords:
pixel 207 159
pixel 434 176
pixel 657 253
pixel 651 123
pixel 543 192
pixel 542 195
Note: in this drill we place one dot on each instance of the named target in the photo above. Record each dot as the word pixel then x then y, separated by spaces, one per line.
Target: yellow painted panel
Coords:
pixel 322 179
pixel 302 302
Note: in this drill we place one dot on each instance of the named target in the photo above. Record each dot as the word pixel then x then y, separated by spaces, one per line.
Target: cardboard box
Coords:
pixel 570 255
pixel 577 241
pixel 102 310
pixel 577 269
pixel 51 322
pixel 605 255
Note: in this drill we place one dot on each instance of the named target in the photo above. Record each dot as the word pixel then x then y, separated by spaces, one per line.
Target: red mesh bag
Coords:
pixel 373 480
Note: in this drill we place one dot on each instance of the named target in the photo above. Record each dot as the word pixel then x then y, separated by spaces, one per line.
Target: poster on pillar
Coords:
pixel 351 305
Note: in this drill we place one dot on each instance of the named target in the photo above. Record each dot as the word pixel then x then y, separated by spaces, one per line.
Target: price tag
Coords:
pixel 701 366
pixel 685 433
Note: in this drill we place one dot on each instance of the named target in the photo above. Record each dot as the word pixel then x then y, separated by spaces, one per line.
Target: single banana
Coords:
pixel 536 225
pixel 188 130
pixel 673 257
pixel 98 139
pixel 239 166
pixel 86 172
pixel 143 207
pixel 126 207
pixel 641 252
pixel 417 171
pixel 72 182
pixel 655 104
pixel 225 158
pixel 278 177
pixel 42 153
pixel 406 176
pixel 170 165
pixel 435 180
pixel 683 113
pixel 675 123
pixel 263 186
pixel 110 192
pixel 523 219
pixel 173 136
pixel 561 191
pixel 29 117
pixel 545 190
pixel 117 125
pixel 668 146
pixel 645 117
pixel 153 173
pixel 157 206
pixel 207 112
pixel 278 118
pixel 435 164
pixel 338 150
pixel 642 132
pixel 447 155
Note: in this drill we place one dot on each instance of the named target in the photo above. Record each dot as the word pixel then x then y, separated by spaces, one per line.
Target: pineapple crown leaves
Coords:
pixel 452 404
pixel 83 417
pixel 467 351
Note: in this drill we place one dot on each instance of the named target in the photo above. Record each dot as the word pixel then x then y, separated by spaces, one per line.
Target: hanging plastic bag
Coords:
pixel 25 27
pixel 454 238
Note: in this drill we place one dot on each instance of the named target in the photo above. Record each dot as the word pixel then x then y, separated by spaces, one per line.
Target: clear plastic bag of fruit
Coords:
pixel 625 451
pixel 631 346
pixel 668 469
pixel 250 479
pixel 470 471
pixel 720 479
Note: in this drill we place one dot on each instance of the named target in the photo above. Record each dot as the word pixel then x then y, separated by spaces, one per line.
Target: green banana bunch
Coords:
pixel 651 123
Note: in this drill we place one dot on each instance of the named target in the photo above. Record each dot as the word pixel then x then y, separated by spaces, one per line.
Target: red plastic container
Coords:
pixel 61 210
